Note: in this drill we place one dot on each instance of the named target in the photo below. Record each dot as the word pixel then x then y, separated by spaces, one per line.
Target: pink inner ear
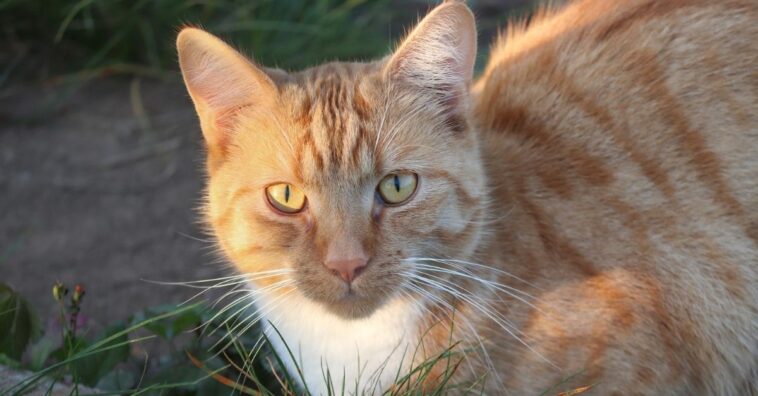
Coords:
pixel 440 50
pixel 439 55
pixel 217 126
pixel 224 119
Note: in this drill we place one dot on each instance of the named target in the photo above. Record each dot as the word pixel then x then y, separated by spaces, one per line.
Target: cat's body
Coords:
pixel 622 139
pixel 590 210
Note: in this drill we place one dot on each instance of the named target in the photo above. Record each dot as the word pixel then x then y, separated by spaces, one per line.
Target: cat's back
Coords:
pixel 700 55
pixel 655 98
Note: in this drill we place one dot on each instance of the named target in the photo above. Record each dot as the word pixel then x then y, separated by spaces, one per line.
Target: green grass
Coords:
pixel 42 39
pixel 204 357
pixel 46 40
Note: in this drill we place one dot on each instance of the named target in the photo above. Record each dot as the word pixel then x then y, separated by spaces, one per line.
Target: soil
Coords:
pixel 100 188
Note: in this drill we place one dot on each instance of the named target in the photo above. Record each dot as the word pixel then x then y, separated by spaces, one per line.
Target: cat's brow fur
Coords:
pixel 596 189
pixel 330 106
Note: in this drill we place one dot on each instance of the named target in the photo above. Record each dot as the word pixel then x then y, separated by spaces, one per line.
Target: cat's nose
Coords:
pixel 347 269
pixel 345 256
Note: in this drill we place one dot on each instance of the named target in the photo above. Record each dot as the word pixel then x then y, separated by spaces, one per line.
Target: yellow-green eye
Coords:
pixel 286 197
pixel 397 188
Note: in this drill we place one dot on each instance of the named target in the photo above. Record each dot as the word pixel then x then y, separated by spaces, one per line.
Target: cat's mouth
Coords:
pixel 352 305
pixel 355 299
pixel 346 301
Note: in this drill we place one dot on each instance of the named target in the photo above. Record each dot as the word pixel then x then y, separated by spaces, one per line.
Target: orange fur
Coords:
pixel 596 189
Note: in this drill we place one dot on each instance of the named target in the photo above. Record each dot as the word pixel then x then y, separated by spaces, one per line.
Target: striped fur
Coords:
pixel 588 208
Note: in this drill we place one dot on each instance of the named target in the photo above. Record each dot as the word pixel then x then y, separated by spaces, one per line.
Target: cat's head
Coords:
pixel 331 180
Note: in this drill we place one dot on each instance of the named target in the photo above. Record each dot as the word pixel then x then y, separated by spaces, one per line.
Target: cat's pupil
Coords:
pixel 397 183
pixel 287 193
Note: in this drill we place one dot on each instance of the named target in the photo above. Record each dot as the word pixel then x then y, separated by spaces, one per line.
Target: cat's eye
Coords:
pixel 397 188
pixel 285 197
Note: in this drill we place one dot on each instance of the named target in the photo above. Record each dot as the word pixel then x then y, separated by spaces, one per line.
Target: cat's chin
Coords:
pixel 352 306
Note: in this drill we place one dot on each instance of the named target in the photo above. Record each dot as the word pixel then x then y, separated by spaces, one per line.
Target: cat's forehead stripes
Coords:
pixel 335 120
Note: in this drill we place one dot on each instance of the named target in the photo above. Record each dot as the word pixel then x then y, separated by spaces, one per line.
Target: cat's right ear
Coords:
pixel 221 82
pixel 439 53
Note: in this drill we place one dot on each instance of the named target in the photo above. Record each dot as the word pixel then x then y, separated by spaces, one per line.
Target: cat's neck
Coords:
pixel 363 354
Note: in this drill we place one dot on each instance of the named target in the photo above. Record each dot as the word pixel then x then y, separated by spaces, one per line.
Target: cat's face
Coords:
pixel 334 179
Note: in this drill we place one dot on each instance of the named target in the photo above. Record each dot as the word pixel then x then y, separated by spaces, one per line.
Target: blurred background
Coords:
pixel 100 151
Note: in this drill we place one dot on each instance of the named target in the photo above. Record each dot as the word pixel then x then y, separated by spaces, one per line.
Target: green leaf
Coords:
pixel 119 379
pixel 41 350
pixel 19 324
pixel 103 345
pixel 6 361
pixel 171 327
pixel 90 369
pixel 176 372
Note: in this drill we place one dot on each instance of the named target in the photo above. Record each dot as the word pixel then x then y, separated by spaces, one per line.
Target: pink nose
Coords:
pixel 346 269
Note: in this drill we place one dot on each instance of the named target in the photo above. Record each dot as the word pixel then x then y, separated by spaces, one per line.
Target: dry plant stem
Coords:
pixel 222 379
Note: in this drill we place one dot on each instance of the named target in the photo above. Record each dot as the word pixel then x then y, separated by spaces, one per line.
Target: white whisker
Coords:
pixel 236 285
pixel 495 316
pixel 451 262
pixel 224 278
pixel 450 318
pixel 195 282
pixel 254 295
pixel 427 295
pixel 465 295
pixel 492 285
pixel 194 238
pixel 259 314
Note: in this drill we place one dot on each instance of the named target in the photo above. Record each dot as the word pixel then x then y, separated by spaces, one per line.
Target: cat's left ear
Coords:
pixel 439 54
pixel 221 82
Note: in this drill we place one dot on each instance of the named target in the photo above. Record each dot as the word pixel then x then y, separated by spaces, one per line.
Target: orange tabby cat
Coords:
pixel 587 209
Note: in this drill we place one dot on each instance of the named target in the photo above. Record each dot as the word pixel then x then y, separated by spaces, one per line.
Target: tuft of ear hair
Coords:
pixel 221 81
pixel 439 53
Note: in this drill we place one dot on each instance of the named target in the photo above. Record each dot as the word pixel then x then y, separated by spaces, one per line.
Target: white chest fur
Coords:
pixel 364 354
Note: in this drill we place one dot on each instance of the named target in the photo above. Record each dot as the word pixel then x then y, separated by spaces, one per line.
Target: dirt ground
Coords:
pixel 101 190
